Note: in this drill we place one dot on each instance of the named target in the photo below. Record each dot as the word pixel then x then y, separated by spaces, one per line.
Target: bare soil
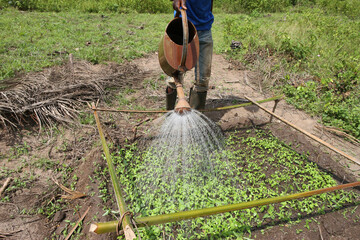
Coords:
pixel 74 150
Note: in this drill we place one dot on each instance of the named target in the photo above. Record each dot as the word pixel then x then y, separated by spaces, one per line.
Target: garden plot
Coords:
pixel 260 160
pixel 253 165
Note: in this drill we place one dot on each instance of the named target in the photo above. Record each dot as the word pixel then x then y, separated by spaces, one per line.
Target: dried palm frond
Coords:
pixel 56 94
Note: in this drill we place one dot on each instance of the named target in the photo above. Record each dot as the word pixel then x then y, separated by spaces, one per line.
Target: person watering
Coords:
pixel 199 12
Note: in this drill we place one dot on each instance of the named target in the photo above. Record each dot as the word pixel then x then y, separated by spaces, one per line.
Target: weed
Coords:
pixel 51 208
pixel 151 83
pixel 87 118
pixel 44 163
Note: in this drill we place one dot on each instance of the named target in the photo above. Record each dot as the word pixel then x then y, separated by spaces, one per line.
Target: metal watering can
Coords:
pixel 179 52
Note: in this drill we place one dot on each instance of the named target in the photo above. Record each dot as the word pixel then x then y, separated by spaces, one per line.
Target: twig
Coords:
pixel 340 133
pixel 4 235
pixel 6 183
pixel 236 81
pixel 144 121
pixel 73 194
pixel 34 220
pixel 77 224
pixel 136 127
pixel 320 233
pixel 276 103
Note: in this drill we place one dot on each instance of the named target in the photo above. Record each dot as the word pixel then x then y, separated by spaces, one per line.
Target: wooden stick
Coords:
pixel 320 232
pixel 129 111
pixel 200 110
pixel 276 103
pixel 6 183
pixel 4 235
pixel 77 224
pixel 306 133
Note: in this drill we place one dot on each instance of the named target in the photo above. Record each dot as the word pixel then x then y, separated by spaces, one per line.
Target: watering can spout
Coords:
pixel 182 107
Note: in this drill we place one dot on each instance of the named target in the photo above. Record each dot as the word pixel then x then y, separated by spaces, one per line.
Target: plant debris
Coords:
pixel 72 194
pixel 56 94
pixel 6 183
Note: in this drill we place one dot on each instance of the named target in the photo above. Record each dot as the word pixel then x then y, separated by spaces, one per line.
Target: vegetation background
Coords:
pixel 312 44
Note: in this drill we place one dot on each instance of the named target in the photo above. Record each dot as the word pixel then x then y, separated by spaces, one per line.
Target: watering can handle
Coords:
pixel 182 67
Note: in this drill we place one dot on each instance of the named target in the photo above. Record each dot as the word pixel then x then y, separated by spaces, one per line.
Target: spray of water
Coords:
pixel 181 152
pixel 184 166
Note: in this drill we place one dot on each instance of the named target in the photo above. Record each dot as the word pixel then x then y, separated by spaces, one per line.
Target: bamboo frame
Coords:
pixel 106 227
pixel 126 224
pixel 306 133
pixel 201 110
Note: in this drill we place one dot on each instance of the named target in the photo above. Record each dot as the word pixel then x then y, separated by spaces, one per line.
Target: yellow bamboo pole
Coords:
pixel 126 224
pixel 307 133
pixel 242 105
pixel 201 110
pixel 106 227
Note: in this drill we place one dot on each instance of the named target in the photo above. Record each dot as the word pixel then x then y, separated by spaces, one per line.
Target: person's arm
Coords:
pixel 177 4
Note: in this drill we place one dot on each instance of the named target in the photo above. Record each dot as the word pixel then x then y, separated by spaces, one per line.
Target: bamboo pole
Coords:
pixel 129 110
pixel 306 133
pixel 242 105
pixel 106 227
pixel 201 110
pixel 128 231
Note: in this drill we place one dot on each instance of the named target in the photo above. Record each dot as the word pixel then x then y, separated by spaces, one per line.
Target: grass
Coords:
pixel 314 52
pixel 31 41
pixel 261 167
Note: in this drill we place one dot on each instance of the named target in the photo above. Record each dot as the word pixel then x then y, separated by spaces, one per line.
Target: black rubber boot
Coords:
pixel 170 98
pixel 197 99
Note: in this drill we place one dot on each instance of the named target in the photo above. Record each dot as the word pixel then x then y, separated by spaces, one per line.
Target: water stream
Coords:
pixel 182 152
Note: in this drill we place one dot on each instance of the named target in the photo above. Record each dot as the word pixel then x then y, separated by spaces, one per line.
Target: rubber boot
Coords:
pixel 170 98
pixel 197 99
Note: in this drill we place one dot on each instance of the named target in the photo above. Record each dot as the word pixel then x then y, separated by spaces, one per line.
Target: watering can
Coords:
pixel 179 52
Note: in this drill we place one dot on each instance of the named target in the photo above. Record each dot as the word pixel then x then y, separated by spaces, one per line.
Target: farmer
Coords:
pixel 199 12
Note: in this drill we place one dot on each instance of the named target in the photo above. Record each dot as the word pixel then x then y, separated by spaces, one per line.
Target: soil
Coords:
pixel 75 150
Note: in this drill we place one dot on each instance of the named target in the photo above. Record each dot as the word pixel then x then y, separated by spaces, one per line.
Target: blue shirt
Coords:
pixel 199 13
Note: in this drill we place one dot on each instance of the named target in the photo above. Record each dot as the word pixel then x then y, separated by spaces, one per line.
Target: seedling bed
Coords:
pixel 255 165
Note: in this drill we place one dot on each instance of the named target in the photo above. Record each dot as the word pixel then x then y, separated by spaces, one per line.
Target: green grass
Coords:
pixel 29 40
pixel 254 166
pixel 318 43
pixel 91 6
pixel 349 7
pixel 306 42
